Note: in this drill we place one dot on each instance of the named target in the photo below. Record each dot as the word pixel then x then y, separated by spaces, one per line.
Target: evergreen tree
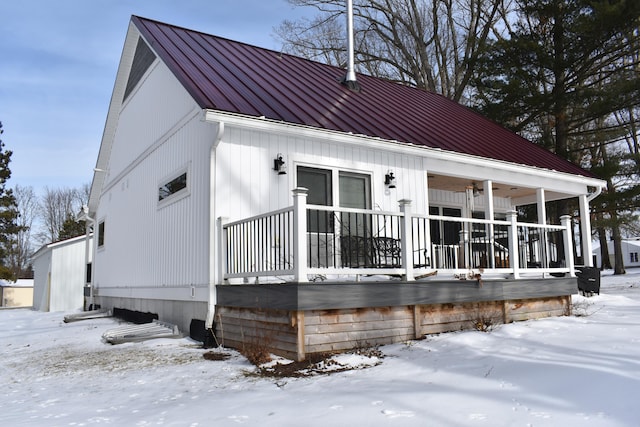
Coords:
pixel 8 213
pixel 568 69
pixel 561 68
pixel 71 228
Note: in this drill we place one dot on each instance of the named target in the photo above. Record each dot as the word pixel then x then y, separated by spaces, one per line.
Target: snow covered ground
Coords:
pixel 582 370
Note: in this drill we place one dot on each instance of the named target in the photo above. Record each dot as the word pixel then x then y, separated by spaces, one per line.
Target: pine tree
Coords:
pixel 71 228
pixel 567 70
pixel 8 213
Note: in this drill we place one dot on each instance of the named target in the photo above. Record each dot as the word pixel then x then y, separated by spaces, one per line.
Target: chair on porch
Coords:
pixel 370 252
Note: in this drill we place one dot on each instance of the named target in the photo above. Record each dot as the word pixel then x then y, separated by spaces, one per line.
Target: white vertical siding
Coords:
pixel 247 184
pixel 67 276
pixel 458 200
pixel 159 249
pixel 59 276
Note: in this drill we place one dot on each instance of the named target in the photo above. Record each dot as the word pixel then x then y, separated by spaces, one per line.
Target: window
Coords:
pixel 172 187
pixel 634 256
pixel 354 193
pixel 318 182
pixel 101 234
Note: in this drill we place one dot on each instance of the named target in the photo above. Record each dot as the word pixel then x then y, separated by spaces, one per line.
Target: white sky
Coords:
pixel 58 61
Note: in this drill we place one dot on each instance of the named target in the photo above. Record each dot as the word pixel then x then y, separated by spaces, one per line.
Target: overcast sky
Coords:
pixel 58 62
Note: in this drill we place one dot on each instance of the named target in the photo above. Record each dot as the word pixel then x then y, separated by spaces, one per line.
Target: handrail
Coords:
pixel 386 242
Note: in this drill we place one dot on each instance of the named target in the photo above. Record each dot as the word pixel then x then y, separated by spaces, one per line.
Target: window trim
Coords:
pixel 335 172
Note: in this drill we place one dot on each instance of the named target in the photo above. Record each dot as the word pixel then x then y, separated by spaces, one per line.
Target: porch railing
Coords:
pixel 305 240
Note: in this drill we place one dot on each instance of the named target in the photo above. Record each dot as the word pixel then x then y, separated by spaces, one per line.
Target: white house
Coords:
pixel 630 252
pixel 61 273
pixel 198 186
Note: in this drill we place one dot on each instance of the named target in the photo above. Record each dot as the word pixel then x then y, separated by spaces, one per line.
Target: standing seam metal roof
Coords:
pixel 230 76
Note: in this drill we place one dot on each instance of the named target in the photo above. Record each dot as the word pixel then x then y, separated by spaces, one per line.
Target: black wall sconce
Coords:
pixel 390 180
pixel 279 165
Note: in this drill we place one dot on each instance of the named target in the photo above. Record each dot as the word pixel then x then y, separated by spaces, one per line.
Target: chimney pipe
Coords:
pixel 349 79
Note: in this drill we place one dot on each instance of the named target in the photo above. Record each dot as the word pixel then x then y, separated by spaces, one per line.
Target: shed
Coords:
pixel 60 275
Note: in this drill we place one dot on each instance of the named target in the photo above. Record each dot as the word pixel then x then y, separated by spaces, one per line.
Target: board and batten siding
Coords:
pixel 247 185
pixel 152 249
pixel 452 199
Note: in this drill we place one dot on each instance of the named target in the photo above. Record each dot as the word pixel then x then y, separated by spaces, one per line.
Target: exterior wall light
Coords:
pixel 279 165
pixel 390 180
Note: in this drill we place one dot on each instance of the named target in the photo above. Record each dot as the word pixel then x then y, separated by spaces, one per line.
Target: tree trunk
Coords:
pixel 618 259
pixel 605 264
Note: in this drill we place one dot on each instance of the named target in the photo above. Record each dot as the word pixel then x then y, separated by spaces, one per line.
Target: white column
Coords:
pixel 565 221
pixel 490 215
pixel 542 219
pixel 406 239
pixel 585 231
pixel 514 257
pixel 300 234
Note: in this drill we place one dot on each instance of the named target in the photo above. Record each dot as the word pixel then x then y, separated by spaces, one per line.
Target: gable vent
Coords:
pixel 142 60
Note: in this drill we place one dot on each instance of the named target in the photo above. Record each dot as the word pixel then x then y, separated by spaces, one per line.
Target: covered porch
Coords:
pixel 313 279
pixel 304 242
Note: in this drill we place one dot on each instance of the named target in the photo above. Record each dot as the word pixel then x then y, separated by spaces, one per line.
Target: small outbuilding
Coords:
pixel 16 294
pixel 61 271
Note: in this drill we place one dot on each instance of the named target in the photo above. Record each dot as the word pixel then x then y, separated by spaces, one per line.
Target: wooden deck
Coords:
pixel 298 319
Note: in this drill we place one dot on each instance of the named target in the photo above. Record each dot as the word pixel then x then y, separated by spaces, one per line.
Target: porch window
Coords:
pixel 445 232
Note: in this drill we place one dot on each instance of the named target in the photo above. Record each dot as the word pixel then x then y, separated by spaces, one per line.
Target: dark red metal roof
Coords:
pixel 234 77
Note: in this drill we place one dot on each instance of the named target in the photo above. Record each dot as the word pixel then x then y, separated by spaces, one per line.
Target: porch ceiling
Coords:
pixel 455 184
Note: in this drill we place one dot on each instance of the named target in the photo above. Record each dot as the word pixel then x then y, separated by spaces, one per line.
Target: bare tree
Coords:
pixel 22 247
pixel 430 44
pixel 58 205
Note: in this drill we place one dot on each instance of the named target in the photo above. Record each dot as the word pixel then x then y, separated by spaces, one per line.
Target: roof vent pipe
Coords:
pixel 349 79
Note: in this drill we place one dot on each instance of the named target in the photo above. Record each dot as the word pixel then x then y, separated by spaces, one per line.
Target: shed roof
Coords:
pixel 230 76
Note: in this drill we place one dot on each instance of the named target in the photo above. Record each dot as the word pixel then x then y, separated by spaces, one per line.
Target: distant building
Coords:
pixel 630 252
pixel 16 294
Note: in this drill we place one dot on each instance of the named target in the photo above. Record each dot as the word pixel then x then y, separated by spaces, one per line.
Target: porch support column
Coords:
pixel 565 220
pixel 406 239
pixel 300 234
pixel 514 257
pixel 541 206
pixel 490 215
pixel 585 231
